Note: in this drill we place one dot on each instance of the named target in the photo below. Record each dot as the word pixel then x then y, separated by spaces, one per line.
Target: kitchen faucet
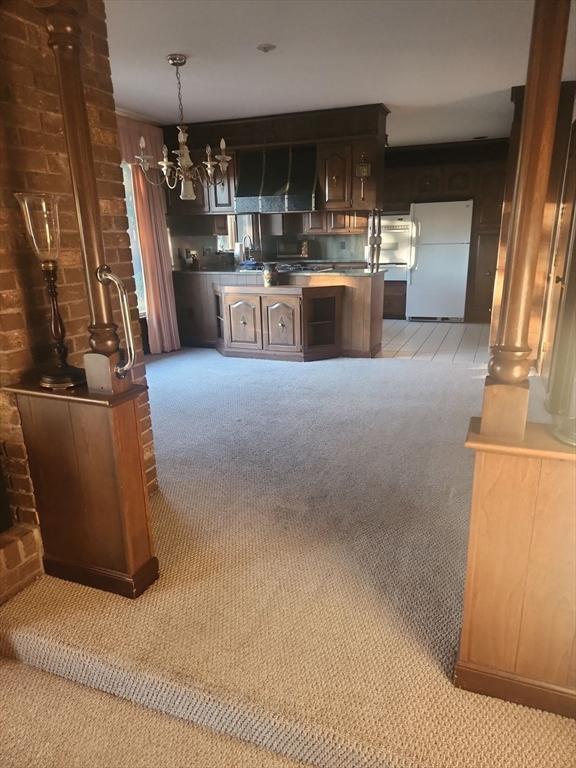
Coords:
pixel 250 247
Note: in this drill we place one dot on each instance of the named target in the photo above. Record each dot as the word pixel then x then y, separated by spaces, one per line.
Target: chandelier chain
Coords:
pixel 180 106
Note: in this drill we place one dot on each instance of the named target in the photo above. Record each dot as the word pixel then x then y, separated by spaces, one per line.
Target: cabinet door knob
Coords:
pixel 243 321
pixel 281 324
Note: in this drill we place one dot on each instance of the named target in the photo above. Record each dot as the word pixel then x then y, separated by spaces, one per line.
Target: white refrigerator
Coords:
pixel 438 266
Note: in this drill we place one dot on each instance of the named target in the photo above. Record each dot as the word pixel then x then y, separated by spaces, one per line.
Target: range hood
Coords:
pixel 276 179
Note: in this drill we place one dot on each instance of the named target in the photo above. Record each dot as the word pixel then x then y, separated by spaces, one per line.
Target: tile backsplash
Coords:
pixel 338 247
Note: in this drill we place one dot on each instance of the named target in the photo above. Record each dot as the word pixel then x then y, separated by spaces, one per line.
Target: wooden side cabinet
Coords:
pixel 284 322
pixel 87 467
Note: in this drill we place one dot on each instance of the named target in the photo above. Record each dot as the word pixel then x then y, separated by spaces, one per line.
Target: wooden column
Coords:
pixel 84 446
pixel 64 37
pixel 518 638
pixel 506 392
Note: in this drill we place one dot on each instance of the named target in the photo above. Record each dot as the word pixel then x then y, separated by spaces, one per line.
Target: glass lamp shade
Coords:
pixel 42 223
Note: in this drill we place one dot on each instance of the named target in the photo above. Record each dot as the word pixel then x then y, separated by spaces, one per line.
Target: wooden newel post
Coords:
pixel 506 393
pixel 63 24
pixel 519 618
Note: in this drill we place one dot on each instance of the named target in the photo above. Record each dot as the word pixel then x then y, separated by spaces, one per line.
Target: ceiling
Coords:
pixel 443 67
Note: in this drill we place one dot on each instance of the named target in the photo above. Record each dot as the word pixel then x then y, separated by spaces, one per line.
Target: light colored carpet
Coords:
pixel 312 535
pixel 49 722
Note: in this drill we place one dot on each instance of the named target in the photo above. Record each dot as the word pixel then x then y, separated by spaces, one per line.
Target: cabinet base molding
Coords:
pixel 125 584
pixel 374 350
pixel 500 685
pixel 298 357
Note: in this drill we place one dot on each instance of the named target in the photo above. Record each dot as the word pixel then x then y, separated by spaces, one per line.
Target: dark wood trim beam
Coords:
pixel 365 121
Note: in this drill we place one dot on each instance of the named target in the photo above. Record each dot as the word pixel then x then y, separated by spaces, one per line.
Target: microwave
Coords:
pixel 291 248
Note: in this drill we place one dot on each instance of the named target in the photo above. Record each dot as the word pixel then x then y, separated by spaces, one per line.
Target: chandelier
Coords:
pixel 209 171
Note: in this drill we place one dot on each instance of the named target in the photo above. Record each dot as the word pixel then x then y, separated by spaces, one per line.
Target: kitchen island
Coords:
pixel 361 307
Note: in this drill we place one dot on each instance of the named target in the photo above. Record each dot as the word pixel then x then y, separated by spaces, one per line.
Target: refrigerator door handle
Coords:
pixel 413 265
pixel 414 240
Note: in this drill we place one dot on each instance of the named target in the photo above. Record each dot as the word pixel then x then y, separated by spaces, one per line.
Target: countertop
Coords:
pixel 350 272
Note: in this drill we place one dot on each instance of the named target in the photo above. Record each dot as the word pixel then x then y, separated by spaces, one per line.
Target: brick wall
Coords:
pixel 33 158
pixel 20 559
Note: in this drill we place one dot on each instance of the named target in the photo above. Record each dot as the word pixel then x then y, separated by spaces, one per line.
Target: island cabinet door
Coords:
pixel 281 323
pixel 242 326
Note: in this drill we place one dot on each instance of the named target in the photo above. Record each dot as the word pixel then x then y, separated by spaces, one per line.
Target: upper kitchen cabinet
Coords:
pixel 396 190
pixel 444 181
pixel 221 196
pixel 342 149
pixel 426 184
pixel 314 223
pixel 349 174
pixel 490 191
pixel 335 174
pixel 335 223
pixel 459 180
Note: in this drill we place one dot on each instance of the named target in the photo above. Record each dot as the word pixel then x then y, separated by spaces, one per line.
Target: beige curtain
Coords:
pixel 150 205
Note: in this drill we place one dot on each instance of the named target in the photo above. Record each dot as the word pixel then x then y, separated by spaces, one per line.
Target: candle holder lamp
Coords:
pixel 43 230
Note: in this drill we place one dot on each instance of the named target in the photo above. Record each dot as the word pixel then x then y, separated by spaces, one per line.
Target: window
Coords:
pixel 134 239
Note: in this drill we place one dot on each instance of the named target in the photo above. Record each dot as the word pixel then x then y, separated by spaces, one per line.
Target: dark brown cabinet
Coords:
pixel 396 190
pixel 422 184
pixel 394 299
pixel 489 197
pixel 335 223
pixel 458 180
pixel 335 171
pixel 284 322
pixel 222 195
pixel 484 249
pixel 426 184
pixel 218 198
pixel 202 202
pixel 197 225
pixel 342 184
pixel 314 223
pixel 359 222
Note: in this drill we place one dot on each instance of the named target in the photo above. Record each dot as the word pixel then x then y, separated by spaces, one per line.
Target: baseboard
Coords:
pixel 127 585
pixel 355 353
pixel 501 685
